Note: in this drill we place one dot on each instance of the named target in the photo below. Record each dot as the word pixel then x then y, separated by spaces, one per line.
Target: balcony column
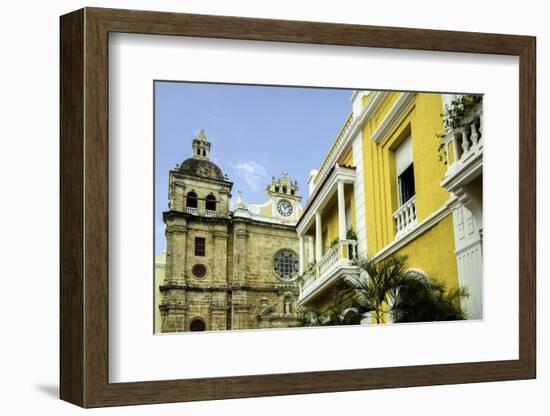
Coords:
pixel 341 212
pixel 302 254
pixel 318 237
pixel 310 250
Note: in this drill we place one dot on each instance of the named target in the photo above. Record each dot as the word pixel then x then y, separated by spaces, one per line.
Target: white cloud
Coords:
pixel 252 173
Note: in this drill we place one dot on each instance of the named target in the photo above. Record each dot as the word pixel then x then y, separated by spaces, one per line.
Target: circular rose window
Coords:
pixel 199 270
pixel 285 264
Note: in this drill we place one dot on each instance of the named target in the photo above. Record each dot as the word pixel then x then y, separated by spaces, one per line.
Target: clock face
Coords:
pixel 284 207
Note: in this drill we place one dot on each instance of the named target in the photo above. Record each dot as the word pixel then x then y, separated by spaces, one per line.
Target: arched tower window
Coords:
pixel 211 203
pixel 192 200
pixel 284 189
pixel 196 325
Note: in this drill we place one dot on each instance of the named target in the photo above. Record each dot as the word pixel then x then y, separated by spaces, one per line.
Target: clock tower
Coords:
pixel 285 198
pixel 282 204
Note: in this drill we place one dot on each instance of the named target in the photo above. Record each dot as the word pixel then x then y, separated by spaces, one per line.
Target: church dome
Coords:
pixel 202 168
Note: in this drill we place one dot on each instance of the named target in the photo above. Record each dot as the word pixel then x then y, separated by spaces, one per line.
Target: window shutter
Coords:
pixel 403 156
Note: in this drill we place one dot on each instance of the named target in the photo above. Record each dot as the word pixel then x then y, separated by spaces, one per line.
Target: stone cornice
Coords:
pixel 257 221
pixel 176 229
pixel 171 286
pixel 280 317
pixel 218 306
pixel 220 234
pixel 223 288
pixel 179 175
pixel 173 306
pixel 178 214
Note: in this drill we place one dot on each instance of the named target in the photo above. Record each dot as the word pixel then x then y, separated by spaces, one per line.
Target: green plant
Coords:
pixel 341 312
pixel 453 115
pixel 377 285
pixel 350 235
pixel 309 269
pixel 389 287
pixel 428 301
pixel 333 243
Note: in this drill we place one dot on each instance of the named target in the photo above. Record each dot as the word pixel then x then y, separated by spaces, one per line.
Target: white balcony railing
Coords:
pixel 309 279
pixel 210 213
pixel 405 217
pixel 466 140
pixel 464 148
pixel 328 260
pixel 338 258
pixel 192 210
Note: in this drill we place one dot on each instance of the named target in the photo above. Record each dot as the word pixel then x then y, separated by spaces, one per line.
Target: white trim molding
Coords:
pixel 343 141
pixel 417 231
pixel 393 117
pixel 359 195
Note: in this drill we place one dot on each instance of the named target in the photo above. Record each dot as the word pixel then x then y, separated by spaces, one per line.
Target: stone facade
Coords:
pixel 220 272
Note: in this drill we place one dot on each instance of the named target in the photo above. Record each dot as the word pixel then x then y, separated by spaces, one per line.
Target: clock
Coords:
pixel 284 207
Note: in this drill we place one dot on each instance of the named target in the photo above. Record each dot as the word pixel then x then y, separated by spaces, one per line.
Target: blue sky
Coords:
pixel 256 132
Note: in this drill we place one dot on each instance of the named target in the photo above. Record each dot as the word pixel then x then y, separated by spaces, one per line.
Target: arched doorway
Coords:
pixel 197 324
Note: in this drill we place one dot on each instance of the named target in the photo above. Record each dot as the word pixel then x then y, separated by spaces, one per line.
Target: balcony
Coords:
pixel 192 210
pixel 210 213
pixel 464 148
pixel 405 217
pixel 330 269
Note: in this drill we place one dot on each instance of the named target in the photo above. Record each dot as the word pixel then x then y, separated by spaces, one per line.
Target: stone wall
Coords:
pixel 240 289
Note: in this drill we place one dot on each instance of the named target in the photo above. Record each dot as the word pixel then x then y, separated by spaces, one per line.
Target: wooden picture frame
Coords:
pixel 84 207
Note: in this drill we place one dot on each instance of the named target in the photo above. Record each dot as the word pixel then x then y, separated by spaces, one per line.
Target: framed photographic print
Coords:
pixel 256 207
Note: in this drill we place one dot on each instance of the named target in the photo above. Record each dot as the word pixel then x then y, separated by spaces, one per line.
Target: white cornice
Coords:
pixel 340 173
pixel 342 269
pixel 245 213
pixel 373 104
pixel 416 232
pixel 394 116
pixel 463 171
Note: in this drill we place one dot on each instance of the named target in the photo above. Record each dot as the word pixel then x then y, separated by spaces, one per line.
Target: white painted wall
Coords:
pixel 469 257
pixel 29 158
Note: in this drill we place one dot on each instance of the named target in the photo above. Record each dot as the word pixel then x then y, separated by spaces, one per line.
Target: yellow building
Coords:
pixel 382 190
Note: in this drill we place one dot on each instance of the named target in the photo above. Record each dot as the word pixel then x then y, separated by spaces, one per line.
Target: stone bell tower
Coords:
pixel 197 221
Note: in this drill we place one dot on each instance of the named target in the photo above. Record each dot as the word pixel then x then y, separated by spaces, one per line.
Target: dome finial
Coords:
pixel 202 136
pixel 201 145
